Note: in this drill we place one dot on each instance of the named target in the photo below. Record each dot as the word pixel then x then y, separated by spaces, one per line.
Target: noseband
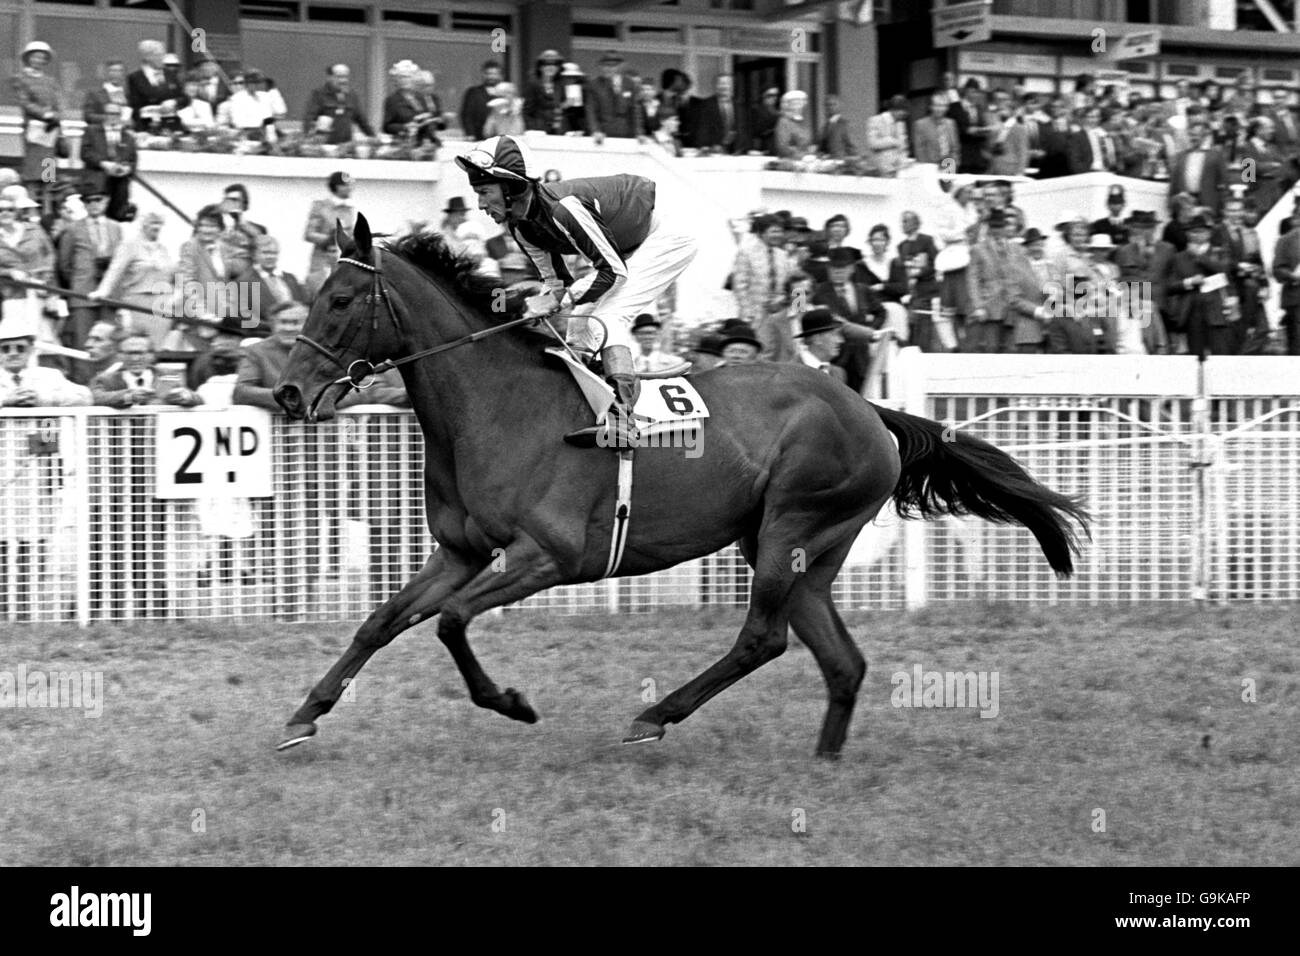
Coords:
pixel 361 373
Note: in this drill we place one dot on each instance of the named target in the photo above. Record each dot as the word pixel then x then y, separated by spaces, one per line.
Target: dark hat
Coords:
pixel 1032 235
pixel 1199 221
pixel 896 102
pixel 785 217
pixel 1000 183
pixel 997 219
pixel 1141 217
pixel 817 249
pixel 93 186
pixel 972 84
pixel 550 56
pixel 338 179
pixel 610 56
pixel 710 344
pixel 740 332
pixel 817 320
pixel 1115 194
pixel 646 321
pixel 844 256
pixel 799 224
pixel 456 204
pixel 838 217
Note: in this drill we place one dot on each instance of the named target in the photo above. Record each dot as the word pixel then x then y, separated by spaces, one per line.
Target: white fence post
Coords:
pixel 909 380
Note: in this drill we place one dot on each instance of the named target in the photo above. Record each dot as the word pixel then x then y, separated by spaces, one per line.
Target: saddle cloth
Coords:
pixel 670 404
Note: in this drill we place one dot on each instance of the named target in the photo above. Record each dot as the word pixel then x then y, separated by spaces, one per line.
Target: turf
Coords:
pixel 1136 712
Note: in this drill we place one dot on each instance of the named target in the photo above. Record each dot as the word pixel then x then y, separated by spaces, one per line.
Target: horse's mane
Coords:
pixel 430 253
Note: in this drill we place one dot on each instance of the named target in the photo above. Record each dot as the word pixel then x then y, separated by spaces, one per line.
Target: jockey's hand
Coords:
pixel 540 306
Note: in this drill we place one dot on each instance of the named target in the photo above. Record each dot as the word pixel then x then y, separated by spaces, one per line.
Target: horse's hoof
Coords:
pixel 296 734
pixel 643 732
pixel 517 708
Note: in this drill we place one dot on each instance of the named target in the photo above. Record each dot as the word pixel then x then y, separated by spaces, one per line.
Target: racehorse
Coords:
pixel 792 466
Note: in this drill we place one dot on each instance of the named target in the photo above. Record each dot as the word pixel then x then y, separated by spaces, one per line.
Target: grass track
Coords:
pixel 1105 709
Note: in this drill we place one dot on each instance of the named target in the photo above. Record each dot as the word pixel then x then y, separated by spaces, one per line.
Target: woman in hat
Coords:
pixel 337 205
pixel 543 97
pixel 410 113
pixel 26 252
pixel 41 101
pixel 576 101
pixel 455 213
pixel 612 223
pixel 793 138
pixel 505 112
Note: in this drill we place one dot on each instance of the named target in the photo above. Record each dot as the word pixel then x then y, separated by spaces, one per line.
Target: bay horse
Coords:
pixel 793 464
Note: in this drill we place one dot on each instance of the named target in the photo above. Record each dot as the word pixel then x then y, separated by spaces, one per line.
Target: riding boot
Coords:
pixel 618 431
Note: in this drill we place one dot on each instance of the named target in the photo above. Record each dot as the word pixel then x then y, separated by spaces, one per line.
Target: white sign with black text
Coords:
pixel 222 453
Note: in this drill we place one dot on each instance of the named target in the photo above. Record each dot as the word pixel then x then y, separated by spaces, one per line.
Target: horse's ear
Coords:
pixel 340 235
pixel 361 235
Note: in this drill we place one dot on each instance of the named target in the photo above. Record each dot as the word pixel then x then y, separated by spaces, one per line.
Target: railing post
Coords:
pixel 909 377
pixel 80 490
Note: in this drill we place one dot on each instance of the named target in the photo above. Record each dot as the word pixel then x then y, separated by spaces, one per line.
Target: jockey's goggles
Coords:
pixel 481 165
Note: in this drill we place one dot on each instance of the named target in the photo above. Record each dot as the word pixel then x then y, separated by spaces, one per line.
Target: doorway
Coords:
pixel 754 74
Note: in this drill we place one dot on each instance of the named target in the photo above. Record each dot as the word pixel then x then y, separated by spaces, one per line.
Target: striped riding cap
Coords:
pixel 501 159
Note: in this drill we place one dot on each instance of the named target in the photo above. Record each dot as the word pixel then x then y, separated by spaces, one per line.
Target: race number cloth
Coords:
pixel 671 404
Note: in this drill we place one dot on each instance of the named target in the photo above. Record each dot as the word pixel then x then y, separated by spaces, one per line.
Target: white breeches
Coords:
pixel 656 264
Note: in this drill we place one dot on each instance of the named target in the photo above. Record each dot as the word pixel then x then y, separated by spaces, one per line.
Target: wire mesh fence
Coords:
pixel 84 537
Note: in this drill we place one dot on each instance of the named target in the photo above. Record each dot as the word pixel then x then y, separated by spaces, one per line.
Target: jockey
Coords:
pixel 609 220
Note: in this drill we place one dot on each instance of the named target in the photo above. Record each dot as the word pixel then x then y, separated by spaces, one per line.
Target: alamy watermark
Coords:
pixel 922 688
pixel 67 690
pixel 209 300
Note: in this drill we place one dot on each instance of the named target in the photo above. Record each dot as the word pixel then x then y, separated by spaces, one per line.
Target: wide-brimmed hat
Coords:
pixel 456 204
pixel 19 197
pixel 37 46
pixel 842 256
pixel 1199 221
pixel 1032 235
pixel 1141 217
pixel 817 320
pixel 18 324
pixel 1101 240
pixel 741 332
pixel 646 321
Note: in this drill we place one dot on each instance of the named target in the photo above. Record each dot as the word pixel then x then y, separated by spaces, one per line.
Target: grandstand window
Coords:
pixel 270 10
pixel 1182 69
pixel 600 31
pixel 140 4
pixel 430 20
pixel 480 21
pixel 654 33
pixel 65 3
pixel 323 14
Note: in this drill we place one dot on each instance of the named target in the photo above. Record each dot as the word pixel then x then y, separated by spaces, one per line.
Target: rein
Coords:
pixel 362 374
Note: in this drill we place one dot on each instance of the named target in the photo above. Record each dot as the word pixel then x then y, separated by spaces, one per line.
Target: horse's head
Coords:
pixel 354 324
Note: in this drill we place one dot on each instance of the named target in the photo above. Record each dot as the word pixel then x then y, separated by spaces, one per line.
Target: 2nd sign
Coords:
pixel 213 454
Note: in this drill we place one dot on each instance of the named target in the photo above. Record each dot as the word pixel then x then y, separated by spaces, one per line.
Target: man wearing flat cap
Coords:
pixel 613 99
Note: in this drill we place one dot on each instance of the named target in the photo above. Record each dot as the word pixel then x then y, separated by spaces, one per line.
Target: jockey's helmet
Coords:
pixel 503 160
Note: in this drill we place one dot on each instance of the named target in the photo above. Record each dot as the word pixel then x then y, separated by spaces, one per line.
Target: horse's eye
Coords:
pixel 340 302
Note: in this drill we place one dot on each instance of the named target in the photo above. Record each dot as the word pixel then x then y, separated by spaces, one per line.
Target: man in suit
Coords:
pixel 972 127
pixel 1053 141
pixel 85 250
pixel 239 234
pixel 212 87
pixel 1113 224
pixel 1199 315
pixel 836 141
pixel 108 152
pixel 1200 170
pixel 112 90
pixel 1088 147
pixel 150 88
pixel 1142 262
pixel 334 109
pixel 1286 126
pixel 935 138
pixel 203 271
pixel 1241 245
pixel 713 118
pixel 860 307
pixel 135 380
pixel 474 104
pixel 1004 293
pixel 822 339
pixel 273 285
pixel 887 137
pixel 613 99
pixel 1286 270
pixel 1008 142
pixel 917 252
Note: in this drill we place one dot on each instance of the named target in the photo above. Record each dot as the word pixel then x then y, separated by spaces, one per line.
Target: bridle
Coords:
pixel 362 373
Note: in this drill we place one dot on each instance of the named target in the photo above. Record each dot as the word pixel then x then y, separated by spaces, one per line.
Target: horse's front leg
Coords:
pixel 524 568
pixel 421 598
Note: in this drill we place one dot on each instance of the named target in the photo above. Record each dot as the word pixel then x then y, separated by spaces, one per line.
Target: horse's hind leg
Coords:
pixel 421 598
pixel 762 638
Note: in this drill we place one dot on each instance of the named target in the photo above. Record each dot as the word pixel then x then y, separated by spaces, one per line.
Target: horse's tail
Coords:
pixel 948 472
